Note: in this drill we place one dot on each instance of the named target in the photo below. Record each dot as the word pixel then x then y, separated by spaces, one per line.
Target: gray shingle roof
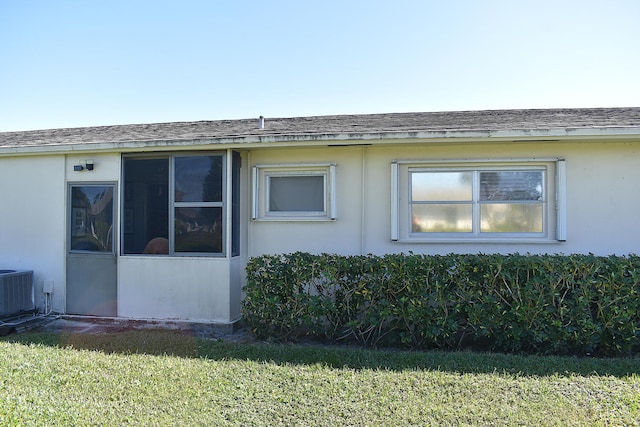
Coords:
pixel 339 127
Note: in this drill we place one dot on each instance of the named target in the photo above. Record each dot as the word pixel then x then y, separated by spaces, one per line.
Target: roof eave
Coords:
pixel 365 138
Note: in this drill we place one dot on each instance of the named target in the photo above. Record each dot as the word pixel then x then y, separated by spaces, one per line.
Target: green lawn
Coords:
pixel 163 378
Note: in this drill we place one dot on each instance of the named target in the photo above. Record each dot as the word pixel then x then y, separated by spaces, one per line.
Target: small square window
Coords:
pixel 294 192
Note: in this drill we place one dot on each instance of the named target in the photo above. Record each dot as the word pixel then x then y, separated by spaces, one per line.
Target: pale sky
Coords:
pixel 77 63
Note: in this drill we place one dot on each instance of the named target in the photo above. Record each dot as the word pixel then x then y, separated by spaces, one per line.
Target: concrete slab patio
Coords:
pixel 102 325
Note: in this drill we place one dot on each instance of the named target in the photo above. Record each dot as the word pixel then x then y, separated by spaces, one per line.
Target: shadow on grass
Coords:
pixel 172 343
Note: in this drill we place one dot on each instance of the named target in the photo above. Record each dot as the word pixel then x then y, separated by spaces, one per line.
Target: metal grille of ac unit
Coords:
pixel 16 292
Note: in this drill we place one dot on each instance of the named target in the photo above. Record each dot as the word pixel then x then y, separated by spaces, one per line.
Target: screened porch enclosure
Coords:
pixel 176 204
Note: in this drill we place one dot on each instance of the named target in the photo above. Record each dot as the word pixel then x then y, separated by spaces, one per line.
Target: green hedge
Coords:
pixel 575 304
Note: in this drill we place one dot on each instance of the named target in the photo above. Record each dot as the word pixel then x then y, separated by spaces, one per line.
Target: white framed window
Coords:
pixel 478 200
pixel 294 192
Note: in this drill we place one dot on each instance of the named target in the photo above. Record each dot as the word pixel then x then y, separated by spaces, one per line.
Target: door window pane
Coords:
pixel 92 218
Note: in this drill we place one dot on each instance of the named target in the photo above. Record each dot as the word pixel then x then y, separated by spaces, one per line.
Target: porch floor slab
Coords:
pixel 99 325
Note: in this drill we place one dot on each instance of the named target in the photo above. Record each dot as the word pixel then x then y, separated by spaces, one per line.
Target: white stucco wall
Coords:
pixel 602 199
pixel 32 221
pixel 161 287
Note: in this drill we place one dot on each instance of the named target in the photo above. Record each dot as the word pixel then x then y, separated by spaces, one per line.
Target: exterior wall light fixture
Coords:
pixel 84 164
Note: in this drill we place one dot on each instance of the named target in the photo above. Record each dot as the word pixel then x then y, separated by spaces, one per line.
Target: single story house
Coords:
pixel 158 221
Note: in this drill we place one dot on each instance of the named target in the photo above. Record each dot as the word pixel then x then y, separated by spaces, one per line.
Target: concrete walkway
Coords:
pixel 103 325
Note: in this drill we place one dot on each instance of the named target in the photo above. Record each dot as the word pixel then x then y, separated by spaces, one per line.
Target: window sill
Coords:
pixel 510 241
pixel 174 256
pixel 295 219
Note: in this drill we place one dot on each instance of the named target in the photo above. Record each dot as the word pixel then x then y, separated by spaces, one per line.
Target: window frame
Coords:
pixel 553 200
pixel 172 204
pixel 262 175
pixel 175 205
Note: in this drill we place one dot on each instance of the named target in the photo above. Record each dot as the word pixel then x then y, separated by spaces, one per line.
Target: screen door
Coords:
pixel 91 256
